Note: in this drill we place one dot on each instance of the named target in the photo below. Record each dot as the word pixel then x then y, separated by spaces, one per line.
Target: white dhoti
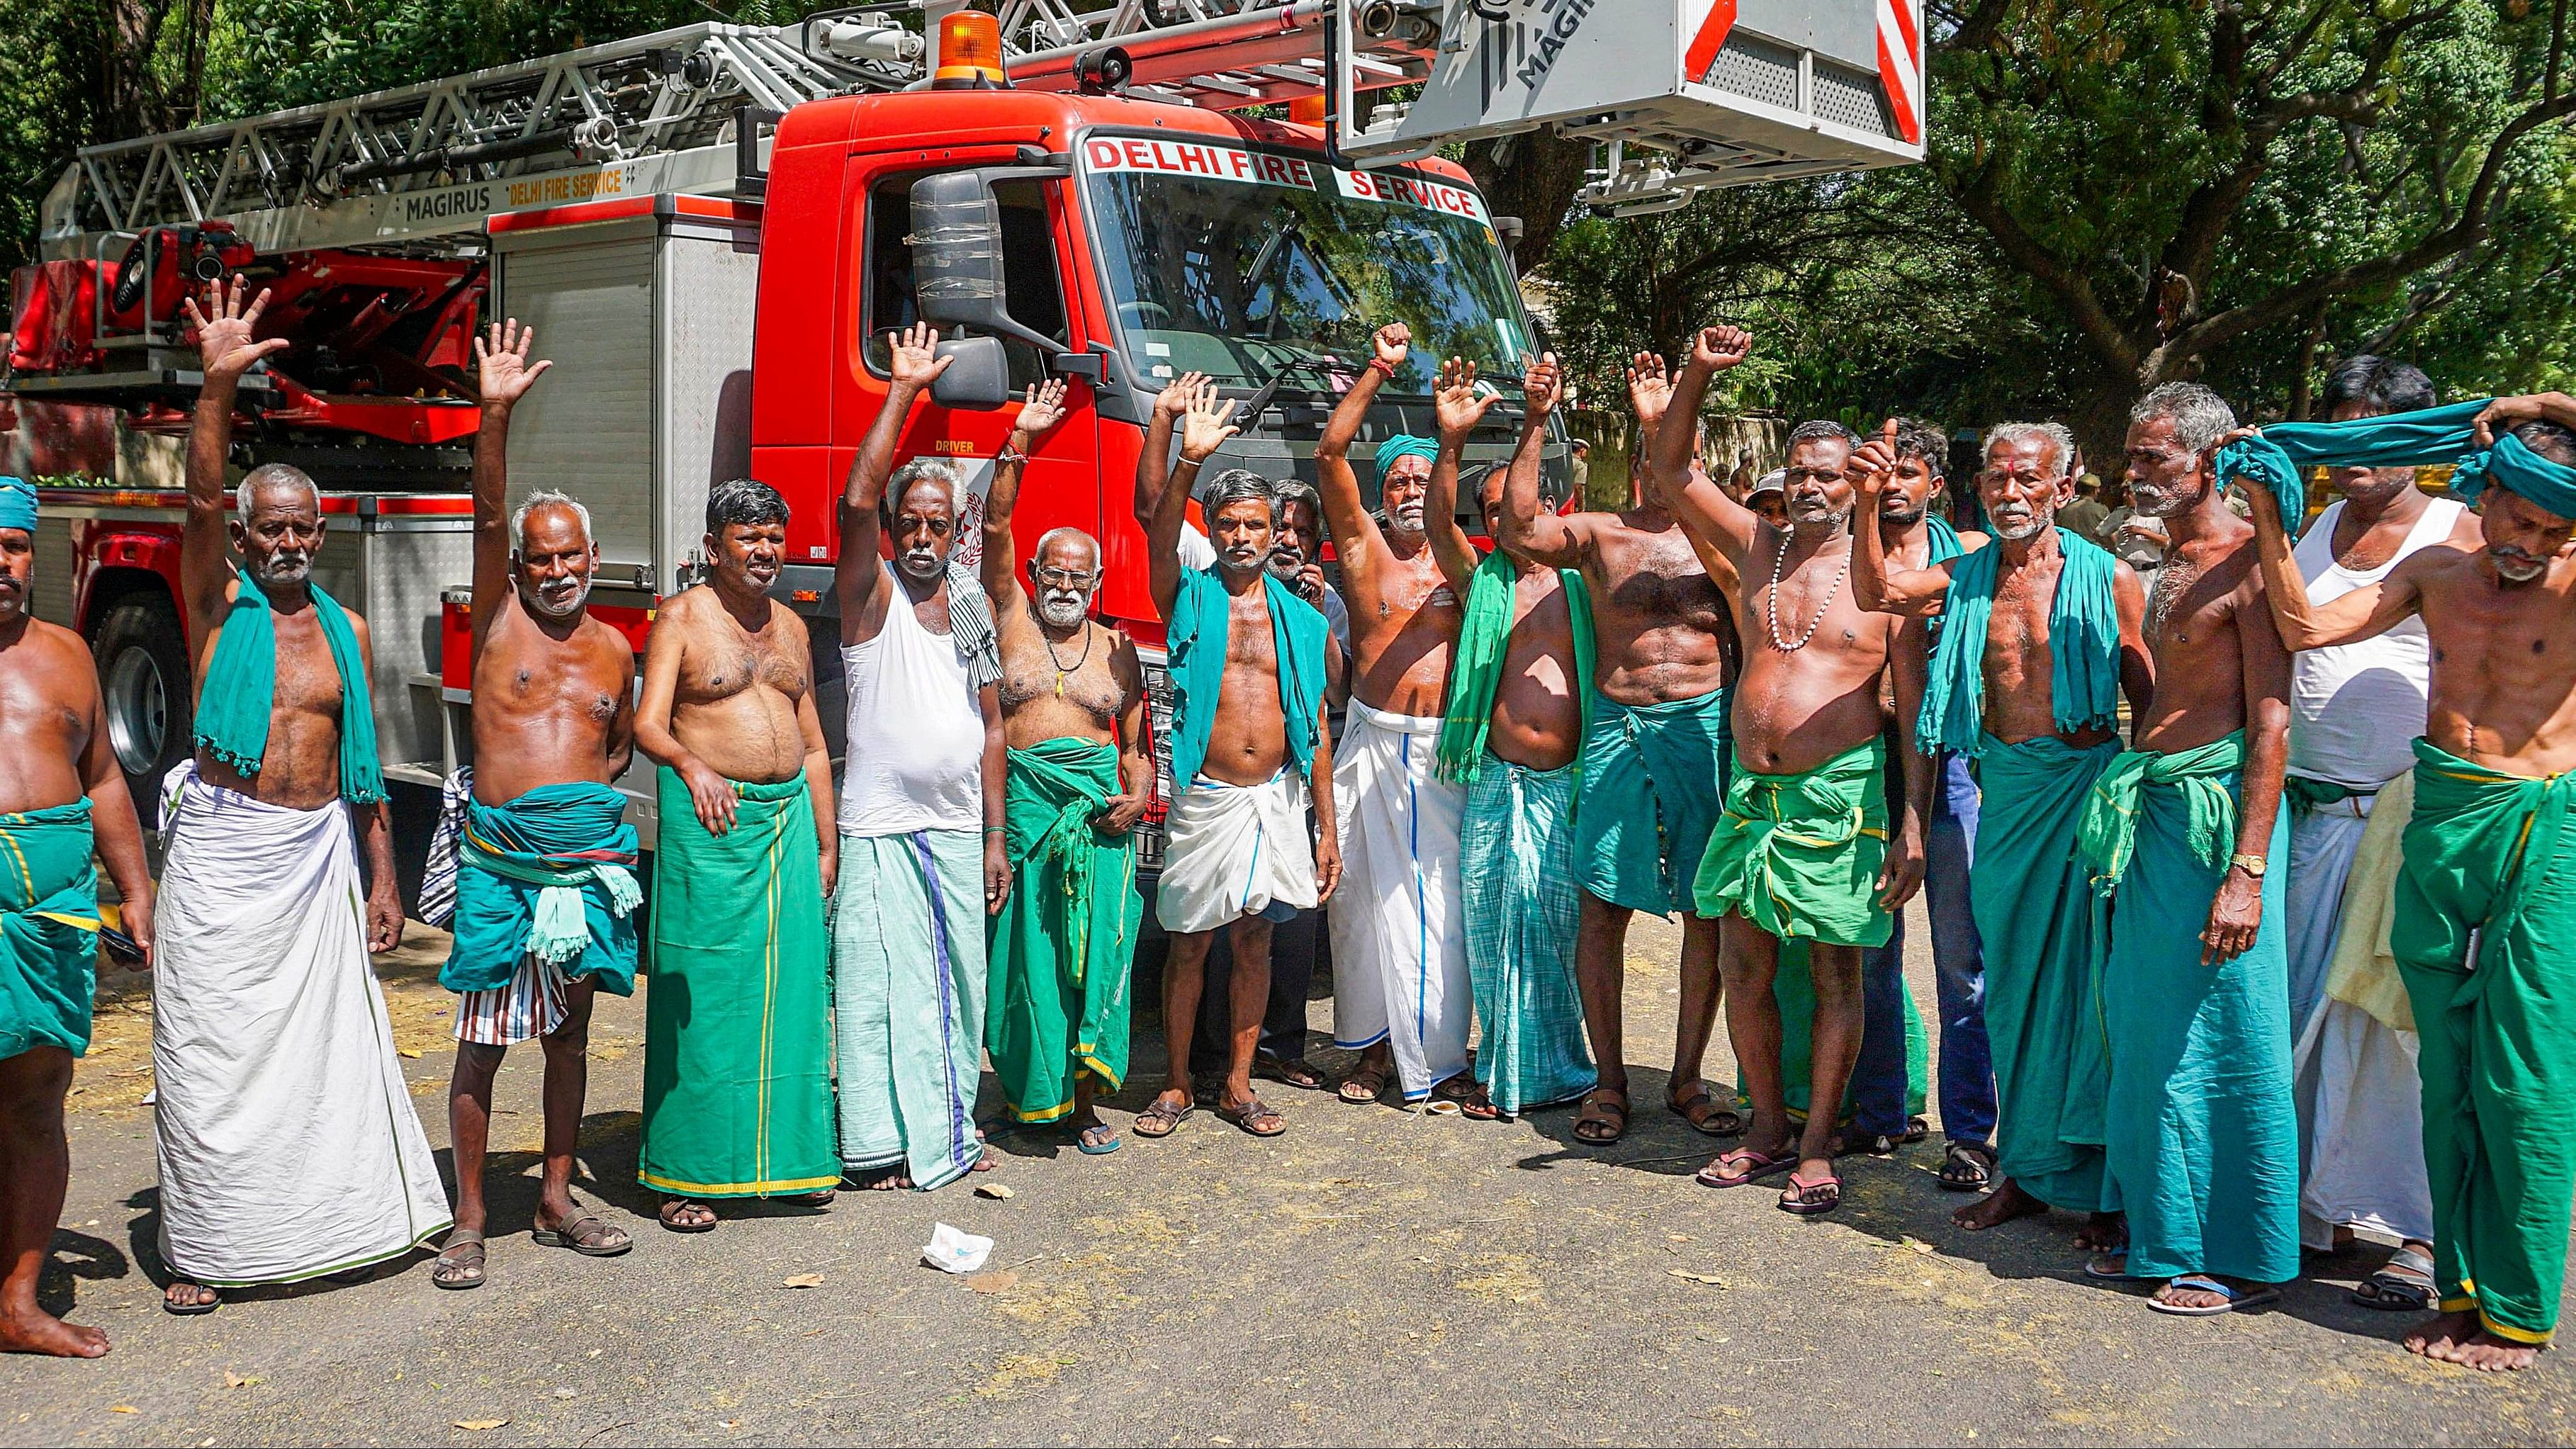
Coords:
pixel 1231 851
pixel 288 1145
pixel 1399 922
pixel 2360 1098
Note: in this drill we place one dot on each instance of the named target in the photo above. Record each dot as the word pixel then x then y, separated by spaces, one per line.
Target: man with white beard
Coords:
pixel 546 889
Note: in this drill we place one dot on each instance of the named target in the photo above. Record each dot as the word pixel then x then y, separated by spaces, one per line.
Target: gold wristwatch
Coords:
pixel 2249 863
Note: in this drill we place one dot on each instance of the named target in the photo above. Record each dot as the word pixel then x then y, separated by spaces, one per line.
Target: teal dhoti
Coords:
pixel 48 929
pixel 1516 876
pixel 908 973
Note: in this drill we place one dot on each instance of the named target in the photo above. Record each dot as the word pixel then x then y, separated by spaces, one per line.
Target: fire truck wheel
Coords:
pixel 143 680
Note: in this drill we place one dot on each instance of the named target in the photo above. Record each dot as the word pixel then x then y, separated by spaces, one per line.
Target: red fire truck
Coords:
pixel 713 228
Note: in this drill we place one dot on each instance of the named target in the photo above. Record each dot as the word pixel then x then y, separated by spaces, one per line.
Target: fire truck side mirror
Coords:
pixel 978 376
pixel 957 258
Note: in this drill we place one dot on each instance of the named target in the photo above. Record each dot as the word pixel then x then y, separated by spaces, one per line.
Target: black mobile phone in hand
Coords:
pixel 121 946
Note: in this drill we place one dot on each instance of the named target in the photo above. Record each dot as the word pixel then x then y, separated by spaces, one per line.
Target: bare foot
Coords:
pixel 2103 1233
pixel 2490 1353
pixel 887 1179
pixel 2438 1337
pixel 1996 1208
pixel 36 1331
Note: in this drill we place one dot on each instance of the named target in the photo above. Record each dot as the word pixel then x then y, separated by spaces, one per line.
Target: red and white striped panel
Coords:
pixel 1900 57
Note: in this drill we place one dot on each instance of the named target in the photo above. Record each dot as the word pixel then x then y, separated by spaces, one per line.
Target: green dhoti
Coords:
pixel 1799 855
pixel 2200 1140
pixel 738 1025
pixel 2485 919
pixel 1062 946
pixel 2033 902
pixel 1654 775
pixel 908 1001
pixel 1516 874
pixel 48 929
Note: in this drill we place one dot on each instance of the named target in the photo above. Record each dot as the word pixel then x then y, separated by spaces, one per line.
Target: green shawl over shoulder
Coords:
pixel 2083 637
pixel 1196 638
pixel 241 690
pixel 1476 664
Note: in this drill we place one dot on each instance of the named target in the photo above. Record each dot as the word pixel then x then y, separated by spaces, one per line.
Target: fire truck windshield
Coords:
pixel 1237 262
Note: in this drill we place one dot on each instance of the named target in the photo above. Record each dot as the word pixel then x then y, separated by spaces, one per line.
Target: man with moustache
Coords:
pixel 1655 752
pixel 62 801
pixel 2485 899
pixel 738 1025
pixel 1513 734
pixel 2200 1139
pixel 1249 740
pixel 923 857
pixel 1806 848
pixel 545 890
pixel 2040 637
pixel 1073 716
pixel 287 1141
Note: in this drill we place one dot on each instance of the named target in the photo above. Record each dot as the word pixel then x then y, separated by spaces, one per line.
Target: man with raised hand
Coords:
pixel 288 1145
pixel 923 858
pixel 738 1025
pixel 1513 734
pixel 545 889
pixel 1655 757
pixel 1806 848
pixel 1073 717
pixel 1249 741
pixel 2486 898
pixel 62 800
pixel 2040 637
pixel 2182 833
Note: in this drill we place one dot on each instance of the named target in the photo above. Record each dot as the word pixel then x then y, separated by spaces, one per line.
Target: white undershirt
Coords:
pixel 2356 708
pixel 916 736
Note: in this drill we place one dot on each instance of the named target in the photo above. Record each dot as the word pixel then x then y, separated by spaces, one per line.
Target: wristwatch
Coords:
pixel 2247 862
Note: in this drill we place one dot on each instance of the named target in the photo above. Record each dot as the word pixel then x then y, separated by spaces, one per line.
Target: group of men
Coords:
pixel 2170 1000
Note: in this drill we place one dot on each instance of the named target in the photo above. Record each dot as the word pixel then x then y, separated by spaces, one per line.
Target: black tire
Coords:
pixel 142 658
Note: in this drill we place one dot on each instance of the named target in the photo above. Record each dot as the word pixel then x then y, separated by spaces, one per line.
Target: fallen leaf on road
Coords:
pixel 411 1054
pixel 994 1282
pixel 240 1381
pixel 995 1191
pixel 802 1280
pixel 479 1425
pixel 123 1409
pixel 1918 1245
pixel 1688 1276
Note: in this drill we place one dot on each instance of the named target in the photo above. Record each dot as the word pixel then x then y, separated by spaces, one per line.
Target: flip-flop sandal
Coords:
pixel 590 1245
pixel 1710 1120
pixel 460 1255
pixel 1602 1105
pixel 1098 1146
pixel 1370 1080
pixel 2109 1268
pixel 1967 1167
pixel 1161 1119
pixel 2238 1300
pixel 1465 1096
pixel 1758 1165
pixel 1251 1113
pixel 2403 1285
pixel 193 1310
pixel 1798 1197
pixel 672 1207
pixel 1287 1073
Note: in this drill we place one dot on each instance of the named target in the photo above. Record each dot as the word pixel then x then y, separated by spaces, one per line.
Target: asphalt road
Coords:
pixel 1373 1276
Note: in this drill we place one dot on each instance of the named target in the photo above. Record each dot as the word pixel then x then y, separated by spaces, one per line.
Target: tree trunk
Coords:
pixel 128 98
pixel 2100 421
pixel 1533 176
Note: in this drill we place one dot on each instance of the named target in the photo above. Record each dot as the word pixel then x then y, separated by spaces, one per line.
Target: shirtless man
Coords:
pixel 1805 848
pixel 738 1027
pixel 2200 1139
pixel 62 798
pixel 1655 753
pixel 2488 859
pixel 1073 716
pixel 262 936
pixel 554 725
pixel 1249 740
pixel 1400 991
pixel 2044 593
pixel 1514 735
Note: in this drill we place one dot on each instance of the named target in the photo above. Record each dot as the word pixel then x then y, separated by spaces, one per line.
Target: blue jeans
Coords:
pixel 1959 974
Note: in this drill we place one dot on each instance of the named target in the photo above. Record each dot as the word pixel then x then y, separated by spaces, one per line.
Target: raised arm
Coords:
pixel 1040 411
pixel 1154 465
pixel 1702 507
pixel 2366 612
pixel 1458 409
pixel 2503 413
pixel 225 351
pixel 1529 531
pixel 915 362
pixel 1909 593
pixel 1346 516
pixel 1205 429
pixel 505 376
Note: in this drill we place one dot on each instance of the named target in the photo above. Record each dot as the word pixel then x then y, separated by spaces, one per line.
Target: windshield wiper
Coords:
pixel 1253 405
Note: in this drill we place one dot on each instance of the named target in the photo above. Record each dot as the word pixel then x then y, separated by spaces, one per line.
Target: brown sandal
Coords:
pixel 1604 1118
pixel 1162 1119
pixel 460 1261
pixel 1370 1078
pixel 1254 1118
pixel 1705 1117
pixel 1469 1096
pixel 585 1234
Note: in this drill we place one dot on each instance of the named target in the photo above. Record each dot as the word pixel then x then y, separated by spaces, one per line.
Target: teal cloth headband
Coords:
pixel 1405 445
pixel 2445 434
pixel 17 504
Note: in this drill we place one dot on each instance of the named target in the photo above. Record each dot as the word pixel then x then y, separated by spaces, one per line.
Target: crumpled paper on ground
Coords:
pixel 952 1251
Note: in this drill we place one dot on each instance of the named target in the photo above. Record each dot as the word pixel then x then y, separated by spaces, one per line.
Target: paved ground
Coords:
pixel 1373 1276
